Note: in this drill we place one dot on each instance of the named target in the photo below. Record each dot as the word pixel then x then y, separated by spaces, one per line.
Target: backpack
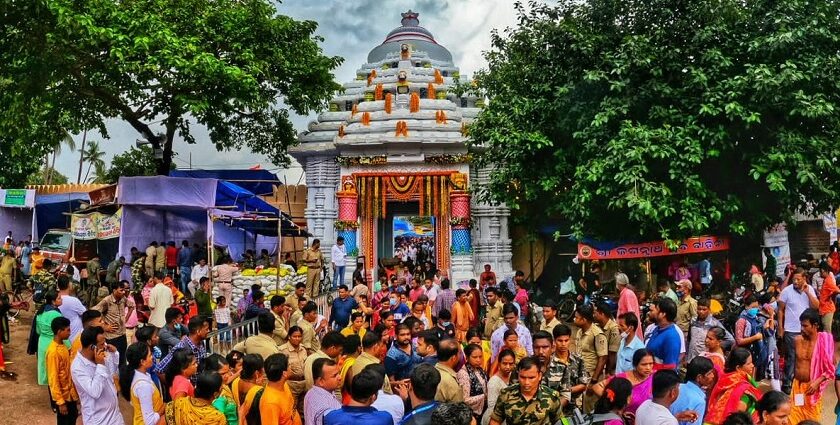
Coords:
pixel 253 415
pixel 579 418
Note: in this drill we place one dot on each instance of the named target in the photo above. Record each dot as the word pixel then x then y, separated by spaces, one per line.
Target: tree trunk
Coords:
pixel 81 157
pixel 51 171
pixel 164 163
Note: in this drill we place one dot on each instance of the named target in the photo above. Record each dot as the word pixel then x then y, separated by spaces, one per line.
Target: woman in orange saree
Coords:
pixel 735 391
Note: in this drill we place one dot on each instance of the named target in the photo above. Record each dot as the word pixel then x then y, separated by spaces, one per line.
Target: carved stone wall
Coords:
pixel 321 209
pixel 490 234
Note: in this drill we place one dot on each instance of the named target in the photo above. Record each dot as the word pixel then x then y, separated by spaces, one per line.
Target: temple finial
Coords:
pixel 409 19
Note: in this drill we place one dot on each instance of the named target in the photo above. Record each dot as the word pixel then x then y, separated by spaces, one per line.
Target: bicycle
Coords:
pixel 21 300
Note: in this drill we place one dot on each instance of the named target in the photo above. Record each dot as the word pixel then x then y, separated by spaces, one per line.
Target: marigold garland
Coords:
pixel 371 76
pixel 438 77
pixel 366 119
pixel 377 94
pixel 431 92
pixel 414 104
pixel 388 103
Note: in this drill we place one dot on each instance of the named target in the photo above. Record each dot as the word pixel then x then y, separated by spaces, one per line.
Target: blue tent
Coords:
pixel 53 211
pixel 259 182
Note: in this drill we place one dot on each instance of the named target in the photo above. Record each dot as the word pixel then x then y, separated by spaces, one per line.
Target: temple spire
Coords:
pixel 409 19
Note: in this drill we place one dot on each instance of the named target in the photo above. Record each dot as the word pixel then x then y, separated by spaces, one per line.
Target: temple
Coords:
pixel 388 168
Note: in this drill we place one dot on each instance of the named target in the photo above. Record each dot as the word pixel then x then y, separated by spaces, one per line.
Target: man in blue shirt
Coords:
pixel 185 265
pixel 398 307
pixel 630 343
pixel 691 403
pixel 665 341
pixel 342 308
pixel 363 391
pixel 424 382
pixel 401 358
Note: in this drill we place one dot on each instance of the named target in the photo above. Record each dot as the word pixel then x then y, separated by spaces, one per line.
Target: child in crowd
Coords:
pixel 222 315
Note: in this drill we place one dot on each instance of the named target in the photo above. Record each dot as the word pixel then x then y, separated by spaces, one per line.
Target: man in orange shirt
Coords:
pixel 277 405
pixel 462 315
pixel 828 291
pixel 63 396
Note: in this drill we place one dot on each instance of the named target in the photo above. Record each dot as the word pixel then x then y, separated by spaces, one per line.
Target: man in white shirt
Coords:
pixel 93 371
pixel 70 307
pixel 160 298
pixel 666 389
pixel 196 273
pixel 338 256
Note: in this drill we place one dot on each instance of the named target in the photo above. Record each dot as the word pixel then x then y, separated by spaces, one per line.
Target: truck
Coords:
pixel 59 246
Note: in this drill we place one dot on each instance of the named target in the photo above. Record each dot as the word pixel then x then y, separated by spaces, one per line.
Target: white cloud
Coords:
pixel 351 28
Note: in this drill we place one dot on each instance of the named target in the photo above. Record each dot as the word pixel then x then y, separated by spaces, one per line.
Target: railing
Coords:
pixel 221 341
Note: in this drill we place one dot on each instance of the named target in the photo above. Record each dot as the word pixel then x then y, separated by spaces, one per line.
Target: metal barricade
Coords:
pixel 221 341
pixel 324 302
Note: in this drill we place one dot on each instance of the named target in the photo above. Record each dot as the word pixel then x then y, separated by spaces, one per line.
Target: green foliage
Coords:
pixel 134 162
pixel 158 65
pixel 654 118
pixel 46 174
pixel 19 163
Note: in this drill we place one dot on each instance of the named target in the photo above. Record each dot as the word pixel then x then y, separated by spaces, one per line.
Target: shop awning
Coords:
pixel 597 250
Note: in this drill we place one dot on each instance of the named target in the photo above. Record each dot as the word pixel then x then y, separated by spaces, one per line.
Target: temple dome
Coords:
pixel 410 32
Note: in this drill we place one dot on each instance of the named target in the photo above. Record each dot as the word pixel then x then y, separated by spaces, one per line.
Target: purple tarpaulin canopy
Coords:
pixel 162 209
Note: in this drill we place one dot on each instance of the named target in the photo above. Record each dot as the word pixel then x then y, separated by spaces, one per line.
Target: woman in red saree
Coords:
pixel 735 391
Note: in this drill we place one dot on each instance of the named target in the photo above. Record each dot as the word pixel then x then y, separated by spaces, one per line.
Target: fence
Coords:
pixel 221 341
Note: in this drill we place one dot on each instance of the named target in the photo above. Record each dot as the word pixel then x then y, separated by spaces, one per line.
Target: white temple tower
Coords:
pixel 393 145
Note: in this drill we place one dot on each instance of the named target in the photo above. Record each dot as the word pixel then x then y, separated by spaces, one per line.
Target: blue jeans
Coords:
pixel 224 336
pixel 185 278
pixel 338 279
pixel 790 358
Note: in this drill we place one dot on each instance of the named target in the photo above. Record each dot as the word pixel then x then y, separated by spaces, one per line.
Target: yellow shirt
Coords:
pixel 157 402
pixel 349 331
pixel 58 374
pixel 75 347
pixel 277 407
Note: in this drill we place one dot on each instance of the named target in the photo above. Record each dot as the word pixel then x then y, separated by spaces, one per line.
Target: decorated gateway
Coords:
pixel 388 169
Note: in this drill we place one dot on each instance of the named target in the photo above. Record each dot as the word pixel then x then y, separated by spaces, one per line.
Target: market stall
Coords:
pixel 16 212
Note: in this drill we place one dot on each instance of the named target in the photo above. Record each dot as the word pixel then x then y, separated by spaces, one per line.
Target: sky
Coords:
pixel 350 28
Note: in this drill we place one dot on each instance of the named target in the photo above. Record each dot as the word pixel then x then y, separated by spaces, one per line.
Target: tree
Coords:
pixel 93 156
pixel 20 163
pixel 49 165
pixel 225 64
pixel 653 118
pixel 50 173
pixel 134 162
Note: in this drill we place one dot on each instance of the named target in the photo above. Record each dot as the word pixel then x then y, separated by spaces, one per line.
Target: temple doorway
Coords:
pixel 404 234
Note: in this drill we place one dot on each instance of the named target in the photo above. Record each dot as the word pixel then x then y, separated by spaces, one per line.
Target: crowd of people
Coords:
pixel 413 349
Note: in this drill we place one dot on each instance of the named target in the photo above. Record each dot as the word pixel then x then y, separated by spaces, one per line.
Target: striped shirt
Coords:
pixel 316 404
pixel 445 299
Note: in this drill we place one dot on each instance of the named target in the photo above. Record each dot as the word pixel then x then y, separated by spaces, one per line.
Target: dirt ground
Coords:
pixel 24 401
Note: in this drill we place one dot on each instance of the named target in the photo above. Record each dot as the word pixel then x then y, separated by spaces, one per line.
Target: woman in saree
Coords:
pixel 198 409
pixel 735 391
pixel 714 350
pixel 641 377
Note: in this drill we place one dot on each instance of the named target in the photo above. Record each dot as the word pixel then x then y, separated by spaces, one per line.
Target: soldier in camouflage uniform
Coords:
pixel 42 282
pixel 248 261
pixel 527 401
pixel 138 272
pixel 565 372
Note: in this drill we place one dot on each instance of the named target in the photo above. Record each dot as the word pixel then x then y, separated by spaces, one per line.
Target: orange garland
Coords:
pixel 388 102
pixel 377 94
pixel 366 119
pixel 402 129
pixel 438 77
pixel 414 103
pixel 371 76
pixel 341 132
pixel 354 110
pixel 432 93
pixel 440 117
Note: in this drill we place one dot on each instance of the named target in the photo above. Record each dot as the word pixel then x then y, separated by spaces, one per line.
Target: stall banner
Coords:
pixel 776 238
pixel 19 198
pixel 654 249
pixel 96 225
pixel 108 226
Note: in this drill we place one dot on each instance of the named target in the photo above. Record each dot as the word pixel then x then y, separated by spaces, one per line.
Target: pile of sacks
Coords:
pixel 273 281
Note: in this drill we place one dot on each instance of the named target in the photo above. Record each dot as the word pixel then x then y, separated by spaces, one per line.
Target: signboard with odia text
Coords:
pixel 17 198
pixel 96 225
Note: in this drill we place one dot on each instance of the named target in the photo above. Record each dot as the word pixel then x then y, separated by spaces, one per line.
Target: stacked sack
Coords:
pixel 273 281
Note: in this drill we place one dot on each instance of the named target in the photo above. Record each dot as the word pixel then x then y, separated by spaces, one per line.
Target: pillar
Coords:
pixel 321 185
pixel 461 222
pixel 490 235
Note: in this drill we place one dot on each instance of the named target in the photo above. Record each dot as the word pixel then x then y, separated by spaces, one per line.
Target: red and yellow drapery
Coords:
pixel 430 190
